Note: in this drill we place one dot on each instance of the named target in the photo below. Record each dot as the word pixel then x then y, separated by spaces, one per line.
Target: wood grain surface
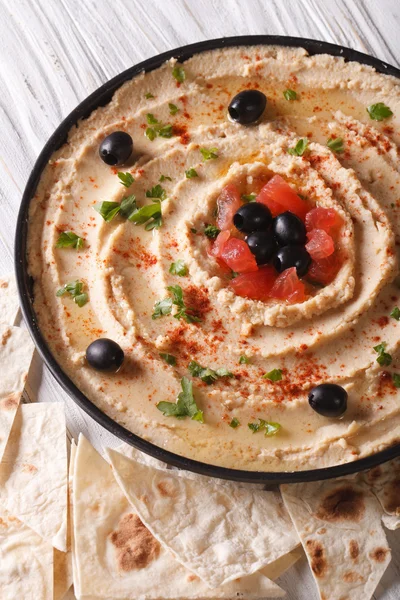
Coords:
pixel 53 53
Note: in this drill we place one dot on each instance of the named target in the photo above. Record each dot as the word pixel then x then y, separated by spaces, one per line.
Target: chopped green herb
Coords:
pixel 290 95
pixel 162 308
pixel 336 145
pixel 185 405
pixel 248 197
pixel 173 109
pixel 379 111
pixel 234 423
pixel 149 214
pixel 178 268
pixel 270 428
pixel 274 375
pixel 179 74
pixel 211 231
pixel 75 290
pixel 151 119
pixel 193 230
pixel 128 206
pixel 299 148
pixel 206 374
pixel 165 131
pixel 244 360
pixel 125 178
pixel 157 129
pixel 209 153
pixel 395 313
pixel 156 192
pixel 396 380
pixel 69 239
pixel 150 133
pixel 148 95
pixel 234 274
pixel 108 210
pixel 190 173
pixel 169 358
pixel 164 178
pixel 384 359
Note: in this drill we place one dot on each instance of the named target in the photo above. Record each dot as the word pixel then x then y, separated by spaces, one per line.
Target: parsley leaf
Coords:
pixel 173 109
pixel 395 313
pixel 151 119
pixel 149 214
pixel 75 290
pixel 379 111
pixel 158 128
pixel 169 358
pixel 193 230
pixel 244 360
pixel 248 197
pixel 299 148
pixel 108 210
pixel 164 178
pixel 270 428
pixel 274 375
pixel 396 380
pixel 156 192
pixel 190 173
pixel 69 239
pixel 209 153
pixel 165 131
pixel 125 178
pixel 128 206
pixel 148 95
pixel 234 423
pixel 211 231
pixel 150 133
pixel 206 374
pixel 162 308
pixel 178 268
pixel 290 95
pixel 185 405
pixel 179 74
pixel 384 359
pixel 335 144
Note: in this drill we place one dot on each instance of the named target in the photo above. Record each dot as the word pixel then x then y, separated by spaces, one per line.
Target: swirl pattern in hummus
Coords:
pixel 328 338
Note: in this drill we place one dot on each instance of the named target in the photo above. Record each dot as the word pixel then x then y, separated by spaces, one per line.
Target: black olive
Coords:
pixel 247 106
pixel 292 256
pixel 328 400
pixel 253 216
pixel 104 355
pixel 289 229
pixel 262 245
pixel 116 148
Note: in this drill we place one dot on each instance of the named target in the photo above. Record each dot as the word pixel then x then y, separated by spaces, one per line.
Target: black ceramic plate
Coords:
pixel 99 98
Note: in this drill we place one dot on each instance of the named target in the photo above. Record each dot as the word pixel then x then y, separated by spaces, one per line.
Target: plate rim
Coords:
pixel 100 97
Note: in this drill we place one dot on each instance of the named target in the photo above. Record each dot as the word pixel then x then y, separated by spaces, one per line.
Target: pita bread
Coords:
pixel 63 576
pixel 26 562
pixel 115 555
pixel 16 351
pixel 384 481
pixel 33 473
pixel 9 301
pixel 220 532
pixel 339 524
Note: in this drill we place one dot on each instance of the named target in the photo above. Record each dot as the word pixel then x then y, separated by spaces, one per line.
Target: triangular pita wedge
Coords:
pixel 9 302
pixel 33 473
pixel 220 532
pixel 116 557
pixel 26 562
pixel 339 524
pixel 282 564
pixel 16 351
pixel 384 481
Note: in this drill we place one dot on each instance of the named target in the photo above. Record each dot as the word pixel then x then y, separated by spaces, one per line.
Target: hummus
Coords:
pixel 329 337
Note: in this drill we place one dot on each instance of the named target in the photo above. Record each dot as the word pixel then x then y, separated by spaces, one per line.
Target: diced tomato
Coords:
pixel 256 286
pixel 323 218
pixel 324 270
pixel 320 244
pixel 289 287
pixel 228 203
pixel 279 197
pixel 238 257
pixel 219 243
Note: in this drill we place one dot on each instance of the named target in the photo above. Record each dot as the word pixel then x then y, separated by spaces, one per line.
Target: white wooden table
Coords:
pixel 56 52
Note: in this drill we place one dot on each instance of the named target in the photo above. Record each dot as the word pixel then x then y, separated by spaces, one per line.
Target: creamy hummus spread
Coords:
pixel 328 337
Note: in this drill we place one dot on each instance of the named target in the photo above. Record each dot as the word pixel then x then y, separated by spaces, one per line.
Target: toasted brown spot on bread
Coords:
pixel 354 549
pixel 321 531
pixel 343 504
pixel 379 554
pixel 192 578
pixel 6 335
pixel 10 402
pixel 134 544
pixel 3 284
pixel 374 474
pixel 352 577
pixel 317 555
pixel 166 489
pixel 3 523
pixel 29 468
pixel 391 500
